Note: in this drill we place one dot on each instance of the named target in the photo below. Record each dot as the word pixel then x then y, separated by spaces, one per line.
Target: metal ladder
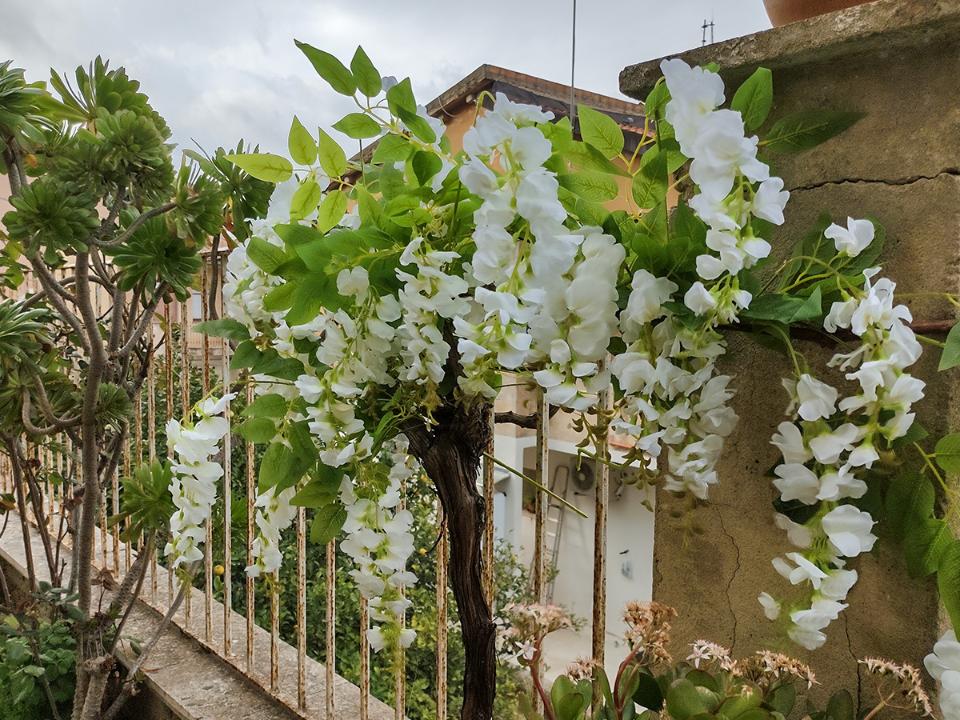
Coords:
pixel 553 526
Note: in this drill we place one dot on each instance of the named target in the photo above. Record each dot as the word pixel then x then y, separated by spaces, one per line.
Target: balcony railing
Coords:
pixel 211 613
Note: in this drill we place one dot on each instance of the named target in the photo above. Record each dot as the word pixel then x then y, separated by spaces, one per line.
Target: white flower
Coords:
pixel 771 608
pixel 802 570
pixel 790 441
pixel 817 399
pixel 837 584
pixel 699 299
pixel 797 482
pixel 770 200
pixel 849 530
pixel 798 535
pixel 853 239
pixel 353 282
pixel 828 447
pixel 645 304
pixel 944 665
pixel 694 94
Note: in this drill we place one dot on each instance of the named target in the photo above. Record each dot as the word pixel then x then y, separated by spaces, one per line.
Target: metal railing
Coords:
pixel 169 380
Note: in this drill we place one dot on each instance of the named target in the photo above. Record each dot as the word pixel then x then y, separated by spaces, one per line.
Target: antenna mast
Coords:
pixel 573 67
pixel 707 26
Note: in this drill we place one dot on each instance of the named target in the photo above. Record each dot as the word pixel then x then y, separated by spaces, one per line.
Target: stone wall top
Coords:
pixel 876 27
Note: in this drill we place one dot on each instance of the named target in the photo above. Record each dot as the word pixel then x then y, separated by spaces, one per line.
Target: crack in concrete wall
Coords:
pixel 733 577
pixel 909 180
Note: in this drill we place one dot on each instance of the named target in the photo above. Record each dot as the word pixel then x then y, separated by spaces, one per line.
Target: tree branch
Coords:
pixel 136 225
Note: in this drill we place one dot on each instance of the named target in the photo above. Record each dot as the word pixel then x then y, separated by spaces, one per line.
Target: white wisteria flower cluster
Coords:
pixel 944 665
pixel 544 294
pixel 379 540
pixel 194 483
pixel 274 515
pixel 673 396
pixel 832 442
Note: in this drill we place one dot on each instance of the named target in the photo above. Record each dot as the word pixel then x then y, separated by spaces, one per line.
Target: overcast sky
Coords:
pixel 219 71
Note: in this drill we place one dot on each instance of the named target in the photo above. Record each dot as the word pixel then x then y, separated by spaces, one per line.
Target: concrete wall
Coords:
pixel 897 61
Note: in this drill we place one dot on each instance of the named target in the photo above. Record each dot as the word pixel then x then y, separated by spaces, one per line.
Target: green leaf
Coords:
pixel 330 69
pixel 417 125
pixel 787 309
pixel 591 186
pixel 327 523
pixel 280 297
pixel 947 452
pixel 358 126
pixel 804 130
pixel 924 544
pixel 366 75
pixel 569 700
pixel 425 166
pixel 271 405
pixel 400 97
pixel 263 166
pixel 224 327
pixel 303 148
pixel 333 159
pixel 840 706
pixel 245 355
pixel 276 466
pixel 754 98
pixel 948 582
pixel 319 491
pixel 656 99
pixel 650 183
pixel 684 701
pixel 392 148
pixel 782 699
pixel 264 255
pixel 648 692
pixel 305 199
pixel 600 130
pixel 331 210
pixel 950 357
pixel 910 499
pixel 257 430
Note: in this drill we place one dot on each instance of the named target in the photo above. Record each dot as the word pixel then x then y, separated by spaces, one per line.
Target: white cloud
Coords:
pixel 219 71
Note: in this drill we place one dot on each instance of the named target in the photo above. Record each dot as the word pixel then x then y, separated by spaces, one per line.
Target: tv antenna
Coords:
pixel 705 27
pixel 573 66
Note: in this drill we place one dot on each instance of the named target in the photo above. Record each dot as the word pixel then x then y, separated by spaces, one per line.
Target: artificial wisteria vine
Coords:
pixel 832 442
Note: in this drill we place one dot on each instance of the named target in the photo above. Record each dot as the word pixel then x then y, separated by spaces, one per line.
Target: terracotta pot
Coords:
pixel 782 12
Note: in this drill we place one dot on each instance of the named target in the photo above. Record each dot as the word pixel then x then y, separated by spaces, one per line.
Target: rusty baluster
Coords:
pixel 364 660
pixel 186 308
pixel 488 535
pixel 441 616
pixel 127 470
pixel 251 498
pixel 227 509
pixel 330 655
pixel 49 484
pixel 400 678
pixel 301 609
pixel 599 626
pixel 168 394
pixel 540 498
pixel 152 420
pixel 115 508
pixel 208 526
pixel 275 633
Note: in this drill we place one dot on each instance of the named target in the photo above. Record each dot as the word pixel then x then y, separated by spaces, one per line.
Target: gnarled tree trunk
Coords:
pixel 450 452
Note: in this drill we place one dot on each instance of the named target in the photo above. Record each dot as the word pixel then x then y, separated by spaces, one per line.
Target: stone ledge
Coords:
pixel 875 27
pixel 188 675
